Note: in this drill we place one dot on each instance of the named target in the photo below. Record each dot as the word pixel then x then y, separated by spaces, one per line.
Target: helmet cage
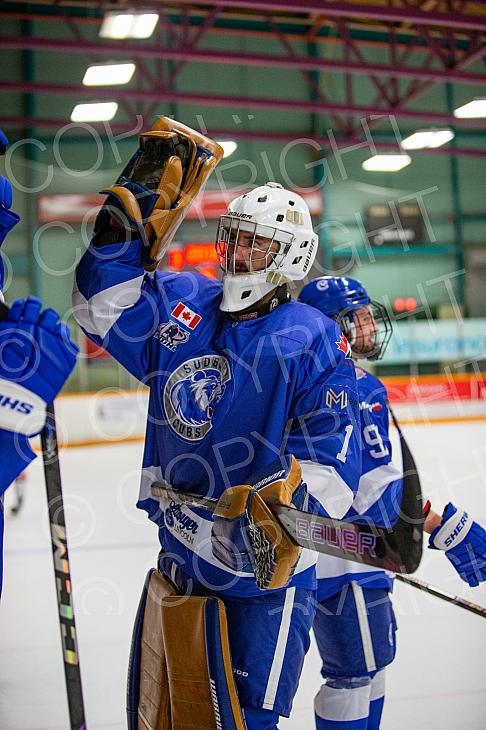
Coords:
pixel 228 239
pixel 360 349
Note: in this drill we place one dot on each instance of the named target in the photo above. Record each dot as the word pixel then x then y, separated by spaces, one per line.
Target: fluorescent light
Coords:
pixel 116 25
pixel 471 110
pixel 108 74
pixel 94 112
pixel 128 25
pixel 386 163
pixel 228 145
pixel 427 138
pixel 143 25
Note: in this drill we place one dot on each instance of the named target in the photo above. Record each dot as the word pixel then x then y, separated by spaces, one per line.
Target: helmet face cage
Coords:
pixel 235 234
pixel 361 348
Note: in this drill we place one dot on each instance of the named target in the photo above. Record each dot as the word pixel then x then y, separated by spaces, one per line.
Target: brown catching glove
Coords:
pixel 154 191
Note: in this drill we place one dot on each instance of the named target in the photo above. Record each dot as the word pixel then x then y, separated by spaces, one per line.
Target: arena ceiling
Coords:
pixel 403 49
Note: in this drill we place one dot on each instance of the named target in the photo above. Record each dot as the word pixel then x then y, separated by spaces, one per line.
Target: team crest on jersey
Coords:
pixel 171 335
pixel 192 392
pixel 360 373
pixel 344 346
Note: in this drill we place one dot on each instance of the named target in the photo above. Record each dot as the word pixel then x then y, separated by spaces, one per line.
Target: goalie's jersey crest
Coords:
pixel 193 392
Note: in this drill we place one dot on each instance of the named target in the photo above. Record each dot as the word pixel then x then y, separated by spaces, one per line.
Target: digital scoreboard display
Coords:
pixel 200 257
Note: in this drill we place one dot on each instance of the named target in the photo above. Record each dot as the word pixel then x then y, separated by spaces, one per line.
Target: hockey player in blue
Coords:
pixel 36 357
pixel 239 376
pixel 355 624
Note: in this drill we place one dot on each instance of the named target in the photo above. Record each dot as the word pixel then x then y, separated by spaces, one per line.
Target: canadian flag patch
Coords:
pixel 344 346
pixel 186 316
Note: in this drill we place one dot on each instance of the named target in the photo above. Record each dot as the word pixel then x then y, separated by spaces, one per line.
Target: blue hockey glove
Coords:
pixel 37 355
pixel 8 219
pixel 464 542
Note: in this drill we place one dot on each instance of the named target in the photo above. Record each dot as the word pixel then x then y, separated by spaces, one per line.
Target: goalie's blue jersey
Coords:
pixel 379 489
pixel 226 398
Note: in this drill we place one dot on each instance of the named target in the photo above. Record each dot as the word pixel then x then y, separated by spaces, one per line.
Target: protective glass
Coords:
pixel 246 247
pixel 368 330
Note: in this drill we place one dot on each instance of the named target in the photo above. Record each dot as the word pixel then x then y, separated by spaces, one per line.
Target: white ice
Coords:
pixel 438 680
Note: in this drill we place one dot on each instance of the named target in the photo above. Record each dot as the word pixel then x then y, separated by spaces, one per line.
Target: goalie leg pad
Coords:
pixel 186 678
pixel 133 683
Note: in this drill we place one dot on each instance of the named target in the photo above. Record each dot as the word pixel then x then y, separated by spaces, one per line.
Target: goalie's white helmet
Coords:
pixel 265 239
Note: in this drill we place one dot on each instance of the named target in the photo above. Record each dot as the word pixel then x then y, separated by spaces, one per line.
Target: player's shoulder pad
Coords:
pixel 300 323
pixel 306 334
pixel 192 288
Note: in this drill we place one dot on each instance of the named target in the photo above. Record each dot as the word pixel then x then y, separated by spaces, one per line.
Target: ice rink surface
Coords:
pixel 437 682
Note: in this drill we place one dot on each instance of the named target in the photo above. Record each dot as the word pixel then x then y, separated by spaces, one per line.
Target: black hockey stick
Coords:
pixel 62 572
pixel 438 593
pixel 362 543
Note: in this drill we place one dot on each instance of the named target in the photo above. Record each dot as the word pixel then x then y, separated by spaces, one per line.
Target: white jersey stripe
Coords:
pixel 364 627
pixel 326 485
pixel 98 314
pixel 278 657
pixel 377 690
pixel 372 485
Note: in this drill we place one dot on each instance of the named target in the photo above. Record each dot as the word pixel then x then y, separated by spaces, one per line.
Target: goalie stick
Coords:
pixel 362 543
pixel 62 571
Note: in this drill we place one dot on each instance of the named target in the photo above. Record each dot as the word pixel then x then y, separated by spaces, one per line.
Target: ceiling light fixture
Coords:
pixel 427 139
pixel 386 163
pixel 474 109
pixel 228 145
pixel 94 112
pixel 132 24
pixel 108 74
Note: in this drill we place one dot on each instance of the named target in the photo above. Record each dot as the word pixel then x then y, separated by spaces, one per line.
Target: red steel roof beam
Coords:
pixel 183 53
pixel 227 101
pixel 361 12
pixel 313 84
pixel 308 35
pixel 343 31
